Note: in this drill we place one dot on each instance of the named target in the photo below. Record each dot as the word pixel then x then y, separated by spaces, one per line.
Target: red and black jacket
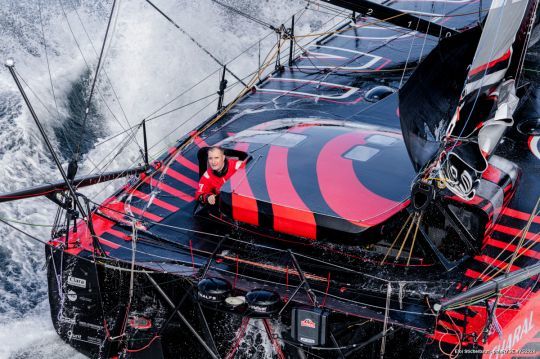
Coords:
pixel 211 181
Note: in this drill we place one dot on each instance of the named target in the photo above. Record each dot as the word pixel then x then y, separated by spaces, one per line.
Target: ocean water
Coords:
pixel 147 64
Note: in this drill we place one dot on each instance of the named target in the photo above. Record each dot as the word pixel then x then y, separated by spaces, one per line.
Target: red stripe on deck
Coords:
pixel 456 315
pixel 197 140
pixel 146 214
pixel 476 275
pixel 156 201
pixel 180 177
pixel 173 191
pixel 333 168
pixel 291 215
pixel 121 235
pixel 515 232
pixel 115 210
pixel 512 248
pixel 495 262
pixel 108 243
pixel 244 204
pixel 520 215
pixel 187 163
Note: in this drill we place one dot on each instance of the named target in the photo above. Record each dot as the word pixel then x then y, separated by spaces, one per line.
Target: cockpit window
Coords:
pixel 283 139
pixel 361 153
pixel 381 140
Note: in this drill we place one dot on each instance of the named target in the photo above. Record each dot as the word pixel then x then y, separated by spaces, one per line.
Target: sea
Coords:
pixel 150 70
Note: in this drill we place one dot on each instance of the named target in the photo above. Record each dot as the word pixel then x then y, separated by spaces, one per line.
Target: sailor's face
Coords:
pixel 216 160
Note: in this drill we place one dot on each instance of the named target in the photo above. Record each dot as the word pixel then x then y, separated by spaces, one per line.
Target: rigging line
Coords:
pixel 126 140
pixel 104 71
pixel 525 230
pixel 107 139
pixel 344 17
pixel 338 31
pixel 414 237
pixel 343 299
pixel 161 150
pixel 84 59
pixel 121 146
pixel 331 70
pixel 87 110
pixel 217 70
pixel 25 223
pixel 44 106
pixel 247 16
pixel 181 107
pixel 47 244
pixel 193 40
pixel 182 93
pixel 110 183
pixel 517 255
pixel 137 126
pixel 397 237
pixel 86 63
pixel 204 107
pixel 276 250
pixel 408 56
pixel 425 37
pixel 492 269
pixel 40 3
pixel 230 105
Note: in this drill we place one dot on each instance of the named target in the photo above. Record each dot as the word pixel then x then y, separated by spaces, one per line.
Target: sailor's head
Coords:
pixel 216 158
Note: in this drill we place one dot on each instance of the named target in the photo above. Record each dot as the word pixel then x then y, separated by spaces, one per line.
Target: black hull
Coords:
pixel 80 318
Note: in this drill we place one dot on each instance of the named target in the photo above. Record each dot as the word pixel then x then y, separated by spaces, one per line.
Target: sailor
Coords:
pixel 221 169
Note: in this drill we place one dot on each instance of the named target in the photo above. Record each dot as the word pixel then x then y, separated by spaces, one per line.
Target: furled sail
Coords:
pixel 431 96
pixel 489 98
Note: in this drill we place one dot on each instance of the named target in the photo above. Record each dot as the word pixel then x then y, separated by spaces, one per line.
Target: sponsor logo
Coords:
pixel 308 323
pixel 93 340
pixel 90 325
pixel 73 336
pixel 76 282
pixel 513 338
pixel 207 296
pixel 258 308
pixel 307 340
pixel 71 295
pixel 67 320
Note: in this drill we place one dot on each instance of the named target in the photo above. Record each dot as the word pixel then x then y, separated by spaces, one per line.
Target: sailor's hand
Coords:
pixel 212 199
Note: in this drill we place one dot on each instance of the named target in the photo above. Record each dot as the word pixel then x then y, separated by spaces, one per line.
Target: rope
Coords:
pixel 492 269
pixel 385 323
pixel 192 39
pixel 104 71
pixel 247 16
pixel 87 109
pixel 525 230
pixel 25 223
pixel 49 71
